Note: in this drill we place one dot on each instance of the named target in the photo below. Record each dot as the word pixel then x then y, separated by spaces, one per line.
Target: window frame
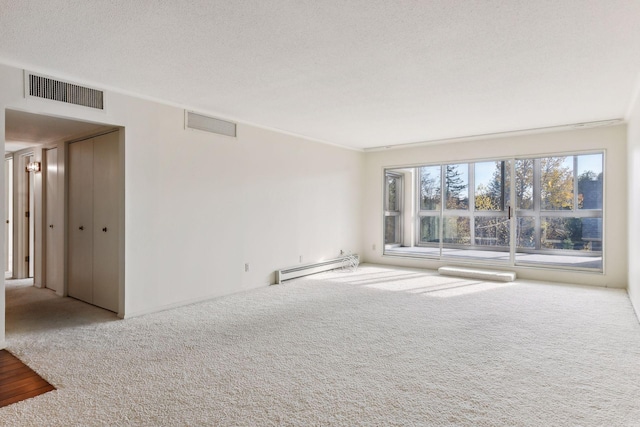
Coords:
pixel 509 210
pixel 397 214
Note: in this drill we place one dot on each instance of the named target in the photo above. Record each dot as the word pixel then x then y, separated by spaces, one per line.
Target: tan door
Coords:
pixel 8 212
pixel 93 221
pixel 53 256
pixel 80 231
pixel 105 220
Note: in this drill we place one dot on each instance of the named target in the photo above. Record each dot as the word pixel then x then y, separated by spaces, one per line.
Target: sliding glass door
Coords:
pixel 559 211
pixel 544 211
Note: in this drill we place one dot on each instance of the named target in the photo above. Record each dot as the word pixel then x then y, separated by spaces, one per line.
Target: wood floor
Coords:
pixel 18 381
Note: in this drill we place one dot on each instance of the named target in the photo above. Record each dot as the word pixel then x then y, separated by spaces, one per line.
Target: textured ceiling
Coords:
pixel 361 73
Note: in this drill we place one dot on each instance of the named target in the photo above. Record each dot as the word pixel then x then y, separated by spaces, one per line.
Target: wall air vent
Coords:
pixel 209 124
pixel 57 90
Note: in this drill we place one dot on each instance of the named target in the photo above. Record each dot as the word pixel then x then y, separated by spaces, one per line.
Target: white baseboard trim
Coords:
pixel 182 303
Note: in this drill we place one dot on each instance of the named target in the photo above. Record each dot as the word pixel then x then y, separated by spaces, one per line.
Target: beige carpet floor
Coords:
pixel 376 347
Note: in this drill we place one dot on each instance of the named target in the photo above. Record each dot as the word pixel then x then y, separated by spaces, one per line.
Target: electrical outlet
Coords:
pixel 300 259
pixel 246 267
pixel 373 246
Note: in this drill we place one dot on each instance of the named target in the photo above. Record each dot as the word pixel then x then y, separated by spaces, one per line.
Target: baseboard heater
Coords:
pixel 312 268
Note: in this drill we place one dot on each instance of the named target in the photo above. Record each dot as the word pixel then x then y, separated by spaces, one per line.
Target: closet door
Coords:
pixel 53 237
pixel 106 222
pixel 80 265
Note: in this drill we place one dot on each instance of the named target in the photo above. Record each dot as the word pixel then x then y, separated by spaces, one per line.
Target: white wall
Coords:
pixel 634 204
pixel 610 139
pixel 198 206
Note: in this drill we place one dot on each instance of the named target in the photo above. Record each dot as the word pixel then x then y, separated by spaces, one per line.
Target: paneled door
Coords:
pixel 80 261
pixel 53 237
pixel 105 221
pixel 93 221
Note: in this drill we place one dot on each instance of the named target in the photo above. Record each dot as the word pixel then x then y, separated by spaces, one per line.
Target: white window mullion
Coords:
pixel 537 201
pixel 513 223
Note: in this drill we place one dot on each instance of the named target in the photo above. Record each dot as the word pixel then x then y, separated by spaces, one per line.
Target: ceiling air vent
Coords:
pixel 57 90
pixel 209 124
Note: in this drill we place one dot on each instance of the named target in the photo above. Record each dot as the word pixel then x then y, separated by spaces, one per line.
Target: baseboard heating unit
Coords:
pixel 315 267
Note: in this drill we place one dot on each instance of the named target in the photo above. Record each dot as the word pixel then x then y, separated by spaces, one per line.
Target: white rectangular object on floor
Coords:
pixel 472 273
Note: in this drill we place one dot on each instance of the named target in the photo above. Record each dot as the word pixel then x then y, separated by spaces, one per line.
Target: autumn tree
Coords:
pixel 524 184
pixel 556 184
pixel 492 230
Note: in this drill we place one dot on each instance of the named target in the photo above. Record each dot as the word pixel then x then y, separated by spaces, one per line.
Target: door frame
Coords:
pixel 8 208
pixel 23 184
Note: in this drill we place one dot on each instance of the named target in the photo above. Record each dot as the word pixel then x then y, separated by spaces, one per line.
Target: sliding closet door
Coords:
pixel 80 266
pixel 105 217
pixel 53 237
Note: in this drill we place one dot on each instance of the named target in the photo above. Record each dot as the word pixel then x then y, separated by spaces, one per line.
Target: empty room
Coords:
pixel 301 213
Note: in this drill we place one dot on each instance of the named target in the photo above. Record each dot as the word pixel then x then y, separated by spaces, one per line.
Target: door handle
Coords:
pixel 104 229
pixel 81 227
pixel 509 212
pixel 50 225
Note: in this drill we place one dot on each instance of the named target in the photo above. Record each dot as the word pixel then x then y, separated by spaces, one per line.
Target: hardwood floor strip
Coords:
pixel 25 384
pixel 10 363
pixel 18 381
pixel 16 375
pixel 27 395
pixel 12 370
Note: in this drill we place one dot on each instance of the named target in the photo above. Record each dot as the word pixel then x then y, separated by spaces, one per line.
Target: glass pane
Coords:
pixel 393 191
pixel 590 181
pixel 492 231
pixel 565 242
pixel 457 186
pixel 457 230
pixel 576 234
pixel 524 184
pixel 556 179
pixel 507 184
pixel 592 234
pixel 429 229
pixel 430 194
pixel 392 229
pixel 489 181
pixel 525 232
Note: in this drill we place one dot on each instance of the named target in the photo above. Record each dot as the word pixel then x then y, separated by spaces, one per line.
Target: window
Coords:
pixel 559 215
pixel 393 209
pixel 465 211
pixel 430 203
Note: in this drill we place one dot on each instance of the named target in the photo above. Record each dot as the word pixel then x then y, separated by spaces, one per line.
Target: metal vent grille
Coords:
pixel 56 90
pixel 210 124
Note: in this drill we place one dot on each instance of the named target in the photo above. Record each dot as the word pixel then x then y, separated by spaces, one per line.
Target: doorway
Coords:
pixel 37 207
pixel 24 213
